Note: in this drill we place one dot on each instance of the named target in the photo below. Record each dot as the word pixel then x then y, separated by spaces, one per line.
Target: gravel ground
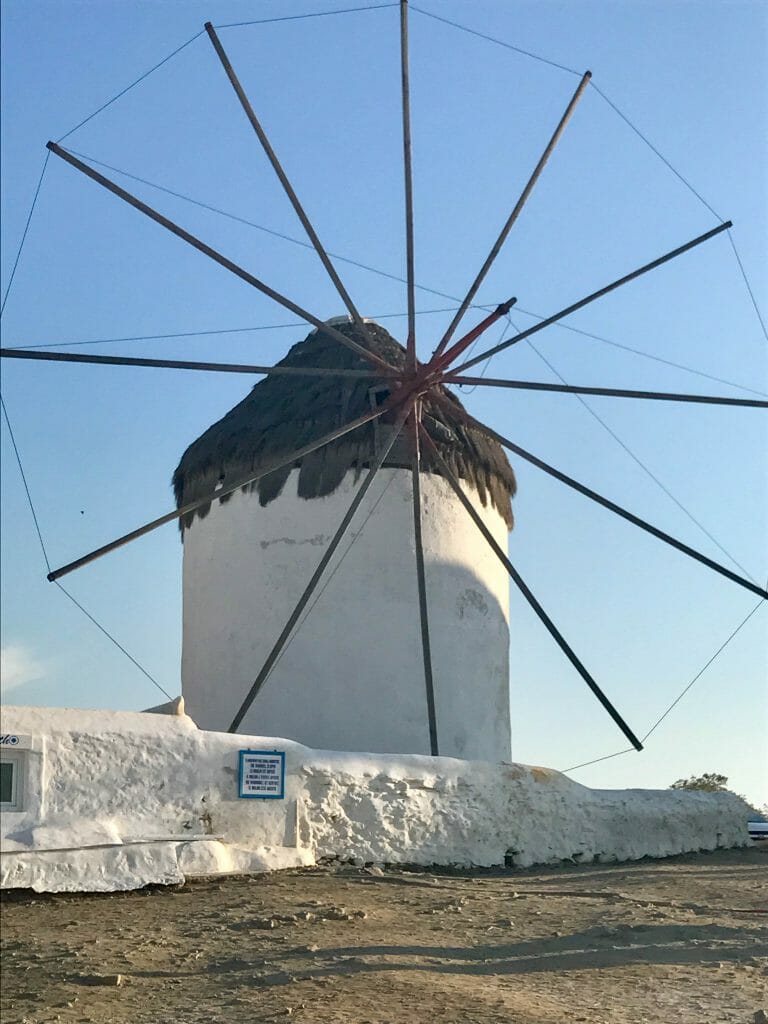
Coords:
pixel 679 941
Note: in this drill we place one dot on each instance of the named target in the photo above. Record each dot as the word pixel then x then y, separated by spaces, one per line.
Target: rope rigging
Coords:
pixel 43 548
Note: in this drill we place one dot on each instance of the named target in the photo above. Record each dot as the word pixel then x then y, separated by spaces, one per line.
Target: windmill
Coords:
pixel 413 386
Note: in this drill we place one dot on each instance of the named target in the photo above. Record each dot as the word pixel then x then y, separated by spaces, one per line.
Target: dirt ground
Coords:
pixel 676 941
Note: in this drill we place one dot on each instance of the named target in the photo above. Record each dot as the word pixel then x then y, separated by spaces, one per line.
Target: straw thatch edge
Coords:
pixel 281 414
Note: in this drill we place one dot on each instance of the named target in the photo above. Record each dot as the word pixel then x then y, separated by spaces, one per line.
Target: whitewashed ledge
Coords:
pixel 119 800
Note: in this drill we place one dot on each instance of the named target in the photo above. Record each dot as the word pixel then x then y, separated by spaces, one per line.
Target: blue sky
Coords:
pixel 99 445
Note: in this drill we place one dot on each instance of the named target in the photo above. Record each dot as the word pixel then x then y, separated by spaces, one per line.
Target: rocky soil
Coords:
pixel 680 941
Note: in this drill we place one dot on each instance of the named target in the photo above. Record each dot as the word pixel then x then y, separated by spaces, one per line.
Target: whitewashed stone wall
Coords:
pixel 116 800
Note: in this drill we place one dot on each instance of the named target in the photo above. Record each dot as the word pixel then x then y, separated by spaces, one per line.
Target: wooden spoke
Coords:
pixel 601 500
pixel 528 594
pixel 274 654
pixel 421 579
pixel 515 213
pixel 408 172
pixel 187 364
pixel 573 389
pixel 595 295
pixel 228 488
pixel 223 261
pixel 284 181
pixel 440 362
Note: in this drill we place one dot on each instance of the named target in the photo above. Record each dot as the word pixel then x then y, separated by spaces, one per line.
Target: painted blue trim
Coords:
pixel 261 796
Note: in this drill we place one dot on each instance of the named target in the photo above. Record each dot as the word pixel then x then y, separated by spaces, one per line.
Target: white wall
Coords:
pixel 352 678
pixel 119 799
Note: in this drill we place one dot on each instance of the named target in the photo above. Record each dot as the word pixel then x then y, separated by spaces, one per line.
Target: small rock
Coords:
pixel 335 914
pixel 374 870
pixel 100 979
pixel 761 1017
pixel 342 914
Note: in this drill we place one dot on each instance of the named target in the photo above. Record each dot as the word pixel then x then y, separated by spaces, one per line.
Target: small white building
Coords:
pixel 352 676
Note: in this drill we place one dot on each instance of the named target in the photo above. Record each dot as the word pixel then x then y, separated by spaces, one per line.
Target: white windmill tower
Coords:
pixel 354 678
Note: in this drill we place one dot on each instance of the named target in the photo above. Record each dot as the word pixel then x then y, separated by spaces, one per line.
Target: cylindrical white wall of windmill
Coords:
pixel 352 675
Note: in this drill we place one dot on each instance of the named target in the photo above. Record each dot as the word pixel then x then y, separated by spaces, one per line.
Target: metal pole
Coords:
pixel 515 213
pixel 426 648
pixel 409 259
pixel 186 364
pixel 228 264
pixel 528 595
pixel 322 565
pixel 572 389
pixel 601 500
pixel 287 187
pixel 440 362
pixel 229 488
pixel 595 295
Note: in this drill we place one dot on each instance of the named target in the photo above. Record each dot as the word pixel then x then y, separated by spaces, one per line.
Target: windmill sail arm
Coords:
pixel 529 596
pixel 405 94
pixel 217 257
pixel 274 654
pixel 187 364
pixel 607 503
pixel 516 211
pixel 574 389
pixel 596 295
pixel 283 177
pixel 229 488
pixel 421 580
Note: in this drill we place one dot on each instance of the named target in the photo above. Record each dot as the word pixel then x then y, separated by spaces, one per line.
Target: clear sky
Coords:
pixel 99 444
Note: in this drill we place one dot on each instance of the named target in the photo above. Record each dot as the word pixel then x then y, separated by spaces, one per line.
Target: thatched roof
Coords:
pixel 284 413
